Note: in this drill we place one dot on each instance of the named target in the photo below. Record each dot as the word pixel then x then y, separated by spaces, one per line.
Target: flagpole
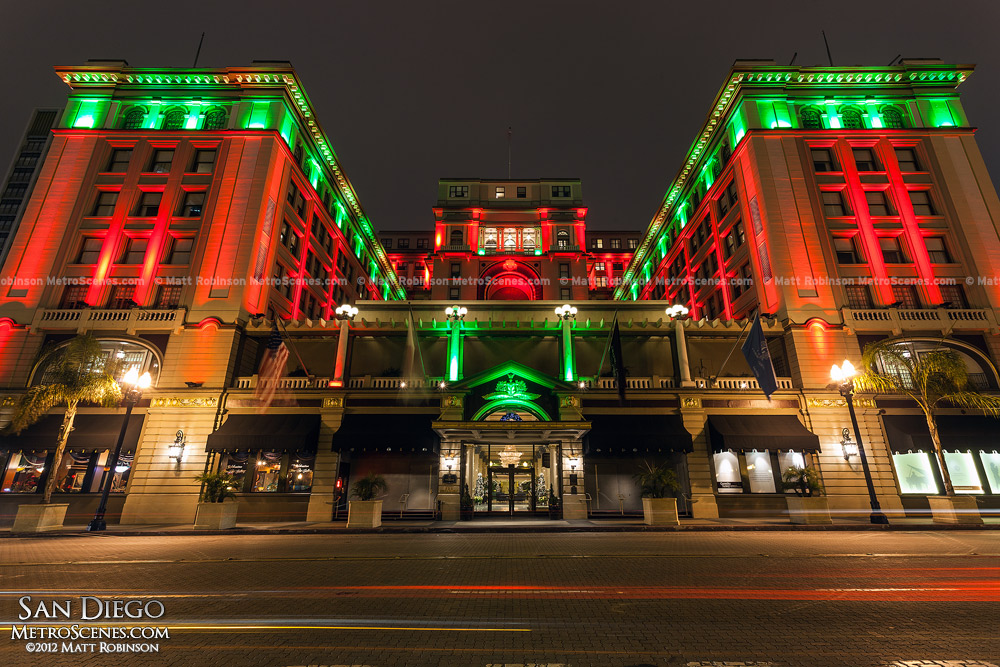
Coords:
pixel 607 345
pixel 291 344
pixel 416 341
pixel 738 338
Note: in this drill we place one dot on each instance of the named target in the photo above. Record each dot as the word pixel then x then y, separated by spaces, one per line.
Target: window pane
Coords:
pixel 759 472
pixel 864 158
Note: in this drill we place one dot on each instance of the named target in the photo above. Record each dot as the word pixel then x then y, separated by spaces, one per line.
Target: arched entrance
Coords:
pixel 509 280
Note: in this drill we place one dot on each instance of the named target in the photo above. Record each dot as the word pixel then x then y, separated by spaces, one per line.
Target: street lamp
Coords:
pixel 455 312
pixel 677 310
pixel 843 375
pixel 566 312
pixel 344 313
pixel 132 386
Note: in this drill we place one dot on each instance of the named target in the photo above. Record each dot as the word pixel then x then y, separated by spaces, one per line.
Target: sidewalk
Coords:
pixel 502 525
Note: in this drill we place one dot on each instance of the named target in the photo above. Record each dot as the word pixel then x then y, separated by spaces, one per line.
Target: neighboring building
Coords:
pixel 23 171
pixel 508 396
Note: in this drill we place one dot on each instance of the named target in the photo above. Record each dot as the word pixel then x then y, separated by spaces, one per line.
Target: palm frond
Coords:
pixel 975 401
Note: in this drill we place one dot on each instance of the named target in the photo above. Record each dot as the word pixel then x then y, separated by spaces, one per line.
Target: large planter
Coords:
pixel 574 507
pixel 39 518
pixel 364 514
pixel 216 516
pixel 808 509
pixel 955 509
pixel 660 511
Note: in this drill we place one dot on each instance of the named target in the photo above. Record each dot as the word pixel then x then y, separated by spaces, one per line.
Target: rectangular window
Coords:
pixel 387 243
pixel 456 270
pixel 405 243
pixel 564 270
pixel 402 266
pixel 289 238
pixel 458 191
pixel 921 200
pixel 522 192
pixel 193 202
pixel 421 243
pixel 121 297
pixel 892 250
pixel 878 203
pixel 616 244
pixel 633 244
pixel 833 204
pixel 953 296
pixel 120 157
pixel 741 235
pixel 453 293
pixel 597 244
pixel 135 251
pixel 499 192
pixel 617 266
pixel 599 266
pixel 864 158
pixel 760 473
pixel 90 250
pixel 204 162
pixel 859 297
pixel 295 198
pixel 169 296
pixel 907 159
pixel 162 159
pixel 847 251
pixel 723 205
pixel 149 205
pixel 937 250
pixel 564 294
pixel 823 160
pixel 601 281
pixel 104 207
pixel 732 193
pixel 561 191
pixel 905 296
pixel 74 296
pixel 180 250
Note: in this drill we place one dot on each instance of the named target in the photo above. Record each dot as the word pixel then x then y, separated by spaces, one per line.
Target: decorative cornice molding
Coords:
pixel 333 402
pixel 184 402
pixel 826 403
pixel 691 402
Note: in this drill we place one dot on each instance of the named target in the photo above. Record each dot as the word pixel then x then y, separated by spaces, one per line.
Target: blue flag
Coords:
pixel 759 358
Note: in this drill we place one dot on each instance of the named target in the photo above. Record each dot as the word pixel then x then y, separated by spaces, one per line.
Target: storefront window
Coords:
pixel 964 476
pixel 267 472
pixel 24 470
pixel 300 473
pixel 72 472
pixel 759 472
pixel 991 464
pixel 790 459
pixel 915 473
pixel 122 470
pixel 235 464
pixel 727 472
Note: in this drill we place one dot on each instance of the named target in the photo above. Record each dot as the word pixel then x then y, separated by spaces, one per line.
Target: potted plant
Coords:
pixel 657 484
pixel 555 508
pixel 468 506
pixel 77 372
pixel 366 511
pixel 807 505
pixel 213 512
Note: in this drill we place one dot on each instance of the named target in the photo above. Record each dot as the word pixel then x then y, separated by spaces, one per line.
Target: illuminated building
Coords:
pixel 799 174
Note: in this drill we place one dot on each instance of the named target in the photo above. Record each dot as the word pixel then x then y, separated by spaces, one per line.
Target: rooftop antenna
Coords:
pixel 794 56
pixel 198 52
pixel 828 56
pixel 510 134
pixel 893 61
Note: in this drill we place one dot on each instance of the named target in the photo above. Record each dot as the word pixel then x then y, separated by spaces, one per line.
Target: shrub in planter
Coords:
pixel 213 512
pixel 366 511
pixel 468 505
pixel 807 506
pixel 657 485
pixel 555 507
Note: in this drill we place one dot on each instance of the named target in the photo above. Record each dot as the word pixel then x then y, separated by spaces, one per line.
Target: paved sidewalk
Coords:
pixel 521 525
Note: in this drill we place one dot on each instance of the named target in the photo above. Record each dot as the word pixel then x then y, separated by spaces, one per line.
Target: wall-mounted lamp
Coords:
pixel 450 462
pixel 574 462
pixel 175 451
pixel 850 447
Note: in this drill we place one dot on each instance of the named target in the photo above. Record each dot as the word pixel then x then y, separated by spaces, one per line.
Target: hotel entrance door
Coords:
pixel 512 490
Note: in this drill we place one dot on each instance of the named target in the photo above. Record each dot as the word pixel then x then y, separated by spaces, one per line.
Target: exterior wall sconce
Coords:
pixel 850 447
pixel 573 463
pixel 175 452
pixel 455 312
pixel 450 462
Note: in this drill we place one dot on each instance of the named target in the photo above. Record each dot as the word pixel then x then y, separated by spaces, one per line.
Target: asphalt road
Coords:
pixel 733 598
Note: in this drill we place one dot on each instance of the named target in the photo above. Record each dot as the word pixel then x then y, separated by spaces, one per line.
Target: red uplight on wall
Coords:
pixel 209 324
pixel 816 324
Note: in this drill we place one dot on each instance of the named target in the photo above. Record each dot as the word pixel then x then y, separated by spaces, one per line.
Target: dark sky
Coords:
pixel 409 92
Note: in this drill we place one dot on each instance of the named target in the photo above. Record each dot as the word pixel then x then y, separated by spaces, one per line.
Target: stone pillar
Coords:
pixel 449 495
pixel 699 461
pixel 325 465
pixel 682 354
pixel 341 363
pixel 574 504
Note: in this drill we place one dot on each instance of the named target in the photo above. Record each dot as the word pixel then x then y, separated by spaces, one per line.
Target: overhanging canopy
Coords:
pixel 396 432
pixel 294 432
pixel 623 434
pixel 773 432
pixel 90 433
pixel 957 432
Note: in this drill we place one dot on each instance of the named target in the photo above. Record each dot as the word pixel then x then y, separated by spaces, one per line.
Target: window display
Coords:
pixel 915 473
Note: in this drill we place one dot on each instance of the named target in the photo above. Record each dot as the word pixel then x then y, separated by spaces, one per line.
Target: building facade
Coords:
pixel 221 184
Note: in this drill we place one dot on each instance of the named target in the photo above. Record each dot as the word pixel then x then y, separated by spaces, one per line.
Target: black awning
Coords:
pixel 294 432
pixel 393 432
pixel 773 432
pixel 957 433
pixel 639 434
pixel 91 433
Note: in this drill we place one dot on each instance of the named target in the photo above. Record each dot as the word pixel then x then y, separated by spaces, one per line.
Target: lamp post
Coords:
pixel 455 315
pixel 675 312
pixel 345 314
pixel 843 375
pixel 567 314
pixel 132 386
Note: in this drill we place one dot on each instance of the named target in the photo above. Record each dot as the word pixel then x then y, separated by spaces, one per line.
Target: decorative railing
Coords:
pixel 746 383
pixel 458 247
pixel 89 319
pixel 909 319
pixel 285 383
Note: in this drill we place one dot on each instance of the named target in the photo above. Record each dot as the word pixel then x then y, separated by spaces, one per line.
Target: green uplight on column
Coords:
pixel 567 314
pixel 455 314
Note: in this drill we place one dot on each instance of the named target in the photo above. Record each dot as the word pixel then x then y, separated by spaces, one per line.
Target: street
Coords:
pixel 752 597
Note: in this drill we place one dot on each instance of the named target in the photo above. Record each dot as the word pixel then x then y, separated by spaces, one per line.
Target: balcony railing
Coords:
pixel 909 319
pixel 285 383
pixel 96 319
pixel 455 248
pixel 742 383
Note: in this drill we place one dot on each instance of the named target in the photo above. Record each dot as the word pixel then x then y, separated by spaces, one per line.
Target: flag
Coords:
pixel 272 369
pixel 617 360
pixel 759 358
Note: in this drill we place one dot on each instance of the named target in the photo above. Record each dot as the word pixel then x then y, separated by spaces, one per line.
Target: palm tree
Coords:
pixel 76 372
pixel 930 379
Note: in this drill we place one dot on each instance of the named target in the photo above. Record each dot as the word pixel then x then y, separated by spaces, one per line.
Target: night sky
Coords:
pixel 409 92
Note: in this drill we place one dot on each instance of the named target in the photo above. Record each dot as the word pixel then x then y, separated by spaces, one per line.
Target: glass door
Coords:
pixel 512 490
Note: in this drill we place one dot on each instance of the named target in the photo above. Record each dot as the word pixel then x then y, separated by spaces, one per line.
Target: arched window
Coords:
pixel 562 238
pixel 811 119
pixel 215 120
pixel 892 118
pixel 134 118
pixel 851 117
pixel 455 237
pixel 129 353
pixel 174 120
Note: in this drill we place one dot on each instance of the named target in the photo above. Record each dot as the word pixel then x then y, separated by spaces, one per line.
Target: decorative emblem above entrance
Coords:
pixel 511 388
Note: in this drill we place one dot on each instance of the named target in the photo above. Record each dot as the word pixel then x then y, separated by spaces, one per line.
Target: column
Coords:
pixel 682 354
pixel 325 467
pixel 574 504
pixel 454 370
pixel 569 358
pixel 449 495
pixel 341 364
